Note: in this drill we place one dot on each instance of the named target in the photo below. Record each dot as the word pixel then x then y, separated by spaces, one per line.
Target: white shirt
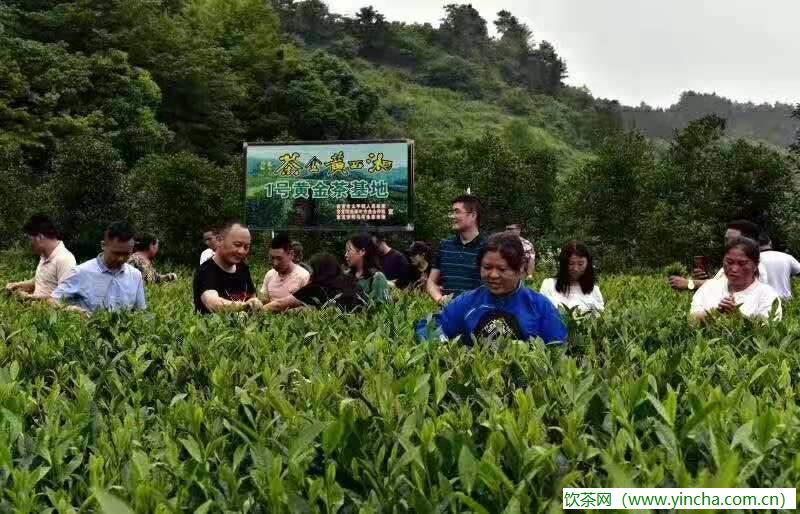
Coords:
pixel 207 254
pixel 53 270
pixel 780 268
pixel 756 300
pixel 575 297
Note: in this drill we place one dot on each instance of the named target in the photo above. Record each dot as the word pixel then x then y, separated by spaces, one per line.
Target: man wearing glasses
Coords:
pixel 55 261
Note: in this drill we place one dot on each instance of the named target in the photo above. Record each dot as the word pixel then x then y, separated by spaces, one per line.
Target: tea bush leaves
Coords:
pixel 168 412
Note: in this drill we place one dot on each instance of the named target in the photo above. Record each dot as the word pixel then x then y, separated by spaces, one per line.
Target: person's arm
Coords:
pixel 216 304
pixel 548 290
pixel 597 297
pixel 699 311
pixel 682 283
pixel 69 289
pixel 433 287
pixel 532 265
pixel 447 324
pixel 264 293
pixel 795 267
pixel 551 327
pixel 141 301
pixel 284 304
pixel 26 285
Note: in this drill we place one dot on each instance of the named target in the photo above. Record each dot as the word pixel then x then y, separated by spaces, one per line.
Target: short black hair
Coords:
pixel 508 246
pixel 471 204
pixel 225 227
pixel 764 239
pixel 748 229
pixel 121 231
pixel 420 248
pixel 587 280
pixel 41 224
pixel 379 237
pixel 144 242
pixel 281 241
pixel 297 249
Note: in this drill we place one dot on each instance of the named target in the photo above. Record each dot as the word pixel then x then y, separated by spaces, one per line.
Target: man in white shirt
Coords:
pixel 56 263
pixel 781 267
pixel 211 238
pixel 735 230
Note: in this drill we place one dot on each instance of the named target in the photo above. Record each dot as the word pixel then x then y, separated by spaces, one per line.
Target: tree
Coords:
pixel 464 32
pixel 453 73
pixel 537 69
pixel 796 145
pixel 177 196
pixel 372 31
pixel 87 189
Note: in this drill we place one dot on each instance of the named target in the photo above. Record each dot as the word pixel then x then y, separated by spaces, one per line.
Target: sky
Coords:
pixel 650 51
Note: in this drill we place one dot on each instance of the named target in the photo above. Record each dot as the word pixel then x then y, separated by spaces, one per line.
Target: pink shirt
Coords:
pixel 53 270
pixel 277 286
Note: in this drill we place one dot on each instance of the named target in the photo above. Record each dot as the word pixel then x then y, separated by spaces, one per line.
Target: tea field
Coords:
pixel 168 412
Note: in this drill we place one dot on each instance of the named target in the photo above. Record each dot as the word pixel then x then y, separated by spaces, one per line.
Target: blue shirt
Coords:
pixel 458 264
pixel 93 286
pixel 523 315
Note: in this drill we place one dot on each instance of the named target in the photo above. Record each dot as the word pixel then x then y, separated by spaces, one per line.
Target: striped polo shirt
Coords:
pixel 458 264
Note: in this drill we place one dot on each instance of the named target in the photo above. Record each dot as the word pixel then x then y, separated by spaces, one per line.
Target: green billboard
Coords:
pixel 341 185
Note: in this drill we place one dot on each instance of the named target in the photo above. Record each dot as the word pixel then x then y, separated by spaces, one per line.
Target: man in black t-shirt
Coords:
pixel 394 264
pixel 223 283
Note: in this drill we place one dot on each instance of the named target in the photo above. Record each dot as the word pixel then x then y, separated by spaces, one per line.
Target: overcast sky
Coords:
pixel 646 50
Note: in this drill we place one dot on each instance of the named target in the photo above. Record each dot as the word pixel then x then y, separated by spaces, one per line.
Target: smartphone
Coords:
pixel 700 262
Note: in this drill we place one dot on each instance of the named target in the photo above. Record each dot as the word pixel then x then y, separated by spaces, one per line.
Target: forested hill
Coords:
pixel 771 123
pixel 135 91
pixel 137 110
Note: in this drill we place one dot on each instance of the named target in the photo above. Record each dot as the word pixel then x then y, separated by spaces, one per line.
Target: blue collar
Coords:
pixel 104 269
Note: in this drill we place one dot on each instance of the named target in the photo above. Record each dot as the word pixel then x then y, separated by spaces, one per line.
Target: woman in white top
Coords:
pixel 739 288
pixel 575 286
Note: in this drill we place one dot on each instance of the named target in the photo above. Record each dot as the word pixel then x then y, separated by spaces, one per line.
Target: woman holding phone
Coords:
pixel 741 290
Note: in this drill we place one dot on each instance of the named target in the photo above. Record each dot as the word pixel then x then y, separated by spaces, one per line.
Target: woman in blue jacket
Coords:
pixel 502 306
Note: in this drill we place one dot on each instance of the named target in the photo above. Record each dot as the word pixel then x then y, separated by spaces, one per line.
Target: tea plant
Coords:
pixel 166 411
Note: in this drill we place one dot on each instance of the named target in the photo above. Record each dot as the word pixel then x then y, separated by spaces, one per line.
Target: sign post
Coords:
pixel 330 186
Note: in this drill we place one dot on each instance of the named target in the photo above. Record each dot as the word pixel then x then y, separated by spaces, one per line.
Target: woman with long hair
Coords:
pixel 575 286
pixel 361 255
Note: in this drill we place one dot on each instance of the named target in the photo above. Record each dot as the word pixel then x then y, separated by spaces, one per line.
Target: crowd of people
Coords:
pixel 479 282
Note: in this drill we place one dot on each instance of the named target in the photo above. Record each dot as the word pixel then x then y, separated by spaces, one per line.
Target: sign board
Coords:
pixel 339 185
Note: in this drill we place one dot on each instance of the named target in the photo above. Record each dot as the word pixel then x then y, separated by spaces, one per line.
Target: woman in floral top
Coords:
pixel 145 251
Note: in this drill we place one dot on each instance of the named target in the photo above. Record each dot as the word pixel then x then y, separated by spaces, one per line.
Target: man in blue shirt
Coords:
pixel 455 268
pixel 502 307
pixel 105 282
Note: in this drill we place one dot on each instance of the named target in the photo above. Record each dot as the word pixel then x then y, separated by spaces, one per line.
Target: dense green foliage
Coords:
pixel 169 412
pixel 766 122
pixel 677 200
pixel 106 106
pixel 138 110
